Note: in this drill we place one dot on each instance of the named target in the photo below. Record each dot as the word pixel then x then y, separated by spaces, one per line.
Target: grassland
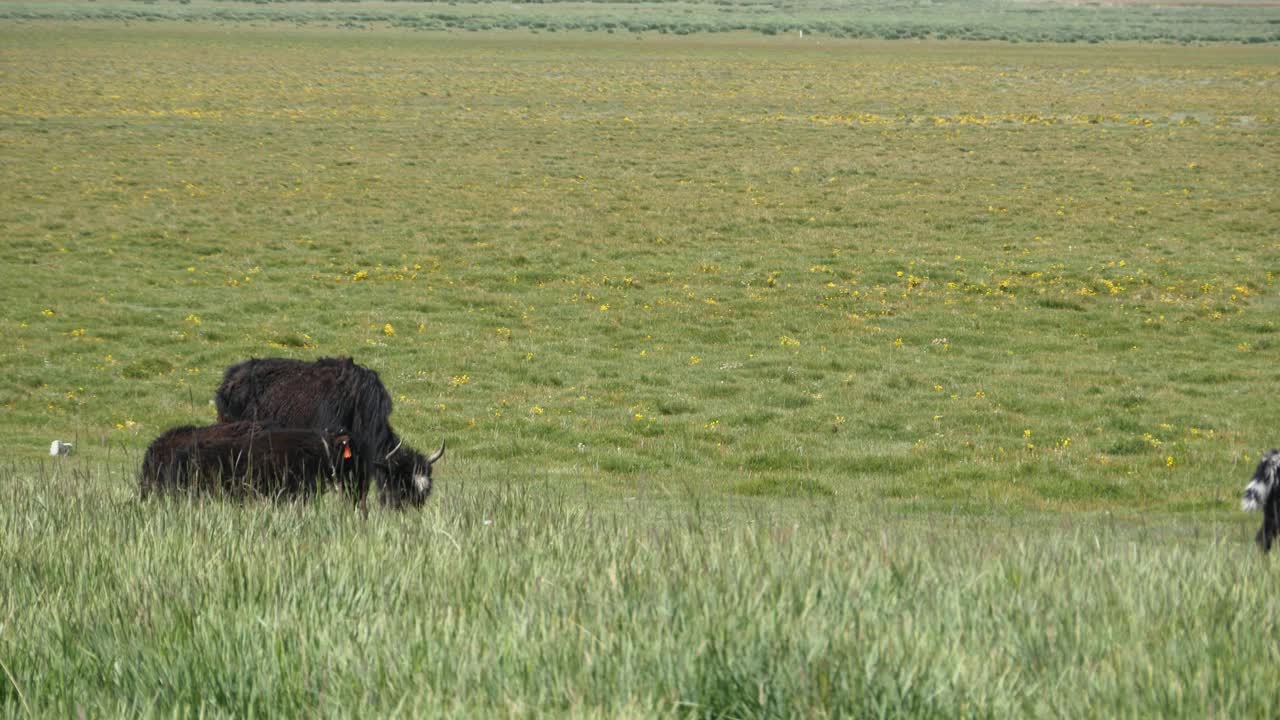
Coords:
pixel 944 362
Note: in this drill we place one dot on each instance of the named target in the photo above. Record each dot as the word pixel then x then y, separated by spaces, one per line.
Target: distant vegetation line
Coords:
pixel 975 20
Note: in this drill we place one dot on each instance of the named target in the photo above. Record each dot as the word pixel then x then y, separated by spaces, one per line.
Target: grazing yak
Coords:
pixel 331 392
pixel 1263 494
pixel 248 458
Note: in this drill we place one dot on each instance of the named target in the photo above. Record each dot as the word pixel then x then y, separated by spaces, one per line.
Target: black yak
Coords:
pixel 331 392
pixel 248 458
pixel 1262 493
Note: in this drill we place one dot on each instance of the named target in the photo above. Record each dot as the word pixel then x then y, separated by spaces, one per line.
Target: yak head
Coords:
pixel 407 476
pixel 1263 483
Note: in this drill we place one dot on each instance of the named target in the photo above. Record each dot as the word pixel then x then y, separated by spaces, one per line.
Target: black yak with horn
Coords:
pixel 331 392
pixel 247 458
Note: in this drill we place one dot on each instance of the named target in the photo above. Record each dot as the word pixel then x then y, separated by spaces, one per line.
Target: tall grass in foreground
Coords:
pixel 519 602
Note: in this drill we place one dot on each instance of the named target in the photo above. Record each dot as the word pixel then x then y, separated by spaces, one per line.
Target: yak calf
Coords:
pixel 248 458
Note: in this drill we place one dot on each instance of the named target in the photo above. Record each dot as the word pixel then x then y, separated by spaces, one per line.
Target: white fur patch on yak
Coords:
pixel 1262 483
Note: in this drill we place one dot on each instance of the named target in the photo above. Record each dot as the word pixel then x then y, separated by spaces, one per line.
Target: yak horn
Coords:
pixel 394 449
pixel 437 454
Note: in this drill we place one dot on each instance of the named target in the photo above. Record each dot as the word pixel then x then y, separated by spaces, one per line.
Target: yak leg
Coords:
pixel 1270 526
pixel 362 494
pixel 173 476
pixel 356 484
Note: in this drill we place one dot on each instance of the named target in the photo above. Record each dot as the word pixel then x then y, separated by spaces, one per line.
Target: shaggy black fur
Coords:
pixel 247 458
pixel 331 392
pixel 1263 493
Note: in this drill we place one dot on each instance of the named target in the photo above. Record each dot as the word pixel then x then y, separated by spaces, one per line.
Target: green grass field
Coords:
pixel 781 376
